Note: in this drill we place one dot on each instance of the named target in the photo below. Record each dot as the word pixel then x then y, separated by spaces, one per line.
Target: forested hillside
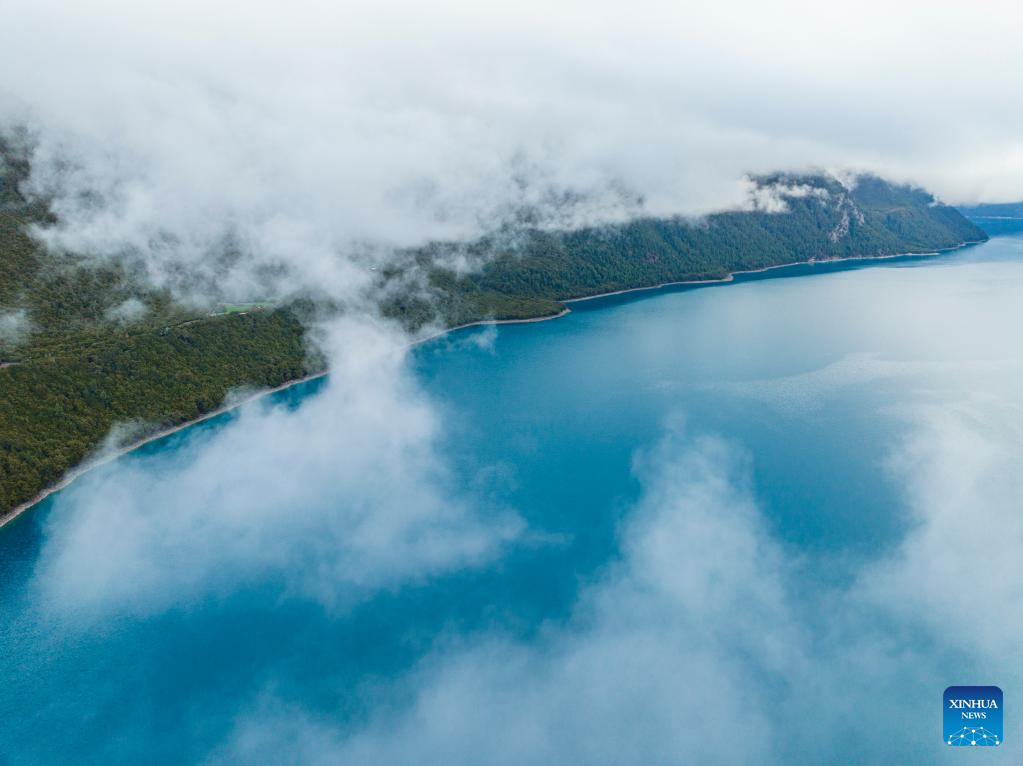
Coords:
pixel 825 221
pixel 83 348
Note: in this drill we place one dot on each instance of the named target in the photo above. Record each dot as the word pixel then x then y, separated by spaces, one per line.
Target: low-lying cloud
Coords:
pixel 14 328
pixel 331 502
pixel 181 130
pixel 710 642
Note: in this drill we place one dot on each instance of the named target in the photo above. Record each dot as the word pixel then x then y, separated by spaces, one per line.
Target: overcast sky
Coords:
pixel 309 126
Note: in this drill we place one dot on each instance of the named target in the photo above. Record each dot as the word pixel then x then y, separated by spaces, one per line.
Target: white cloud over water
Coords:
pixel 809 392
pixel 710 641
pixel 332 502
pixel 958 570
pixel 652 666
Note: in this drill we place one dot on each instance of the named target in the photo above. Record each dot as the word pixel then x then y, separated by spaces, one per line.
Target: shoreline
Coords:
pixel 483 322
pixel 89 465
pixel 730 277
pixel 108 457
pixel 103 459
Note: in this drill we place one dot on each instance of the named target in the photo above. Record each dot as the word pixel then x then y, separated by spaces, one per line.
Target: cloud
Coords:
pixel 180 130
pixel 127 312
pixel 652 666
pixel 962 470
pixel 14 327
pixel 808 392
pixel 709 641
pixel 773 198
pixel 332 502
pixel 482 338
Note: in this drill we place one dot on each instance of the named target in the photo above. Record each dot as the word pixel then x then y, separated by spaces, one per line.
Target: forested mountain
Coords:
pixel 823 220
pixel 83 348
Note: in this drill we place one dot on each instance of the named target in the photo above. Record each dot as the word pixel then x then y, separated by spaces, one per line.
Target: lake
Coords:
pixel 785 504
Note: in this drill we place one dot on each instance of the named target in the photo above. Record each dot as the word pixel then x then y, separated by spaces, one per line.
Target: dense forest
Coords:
pixel 85 347
pixel 74 363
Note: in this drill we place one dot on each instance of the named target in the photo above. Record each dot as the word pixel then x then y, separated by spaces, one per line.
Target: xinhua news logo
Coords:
pixel 973 716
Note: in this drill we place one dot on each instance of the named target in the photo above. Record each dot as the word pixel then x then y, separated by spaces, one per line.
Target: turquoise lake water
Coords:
pixel 839 394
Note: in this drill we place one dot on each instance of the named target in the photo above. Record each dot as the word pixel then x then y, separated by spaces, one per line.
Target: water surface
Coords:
pixel 810 376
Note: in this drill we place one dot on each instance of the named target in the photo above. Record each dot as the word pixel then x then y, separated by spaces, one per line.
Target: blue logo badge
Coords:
pixel 973 716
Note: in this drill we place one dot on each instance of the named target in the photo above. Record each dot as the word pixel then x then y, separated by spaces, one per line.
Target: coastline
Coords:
pixel 482 322
pixel 108 457
pixel 730 277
